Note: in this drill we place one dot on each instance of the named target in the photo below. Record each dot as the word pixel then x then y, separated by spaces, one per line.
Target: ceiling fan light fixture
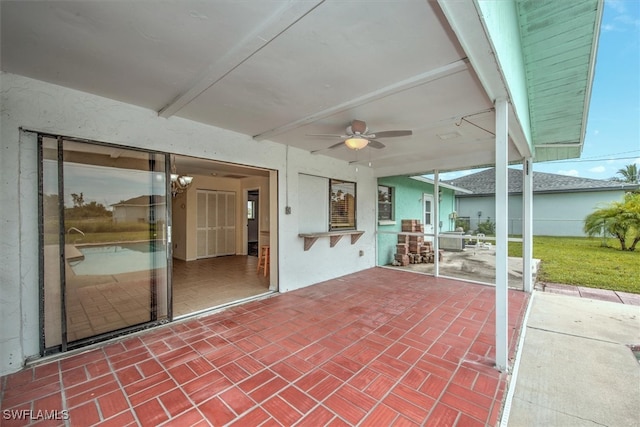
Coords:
pixel 356 143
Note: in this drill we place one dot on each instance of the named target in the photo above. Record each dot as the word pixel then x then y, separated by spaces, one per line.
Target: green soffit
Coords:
pixel 559 41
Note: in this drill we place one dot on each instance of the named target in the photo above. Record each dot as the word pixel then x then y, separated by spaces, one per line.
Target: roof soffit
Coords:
pixel 559 43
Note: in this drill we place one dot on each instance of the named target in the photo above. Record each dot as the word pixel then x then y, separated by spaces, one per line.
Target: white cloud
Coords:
pixel 617 5
pixel 596 132
pixel 621 19
pixel 571 172
pixel 598 169
pixel 627 20
pixel 637 161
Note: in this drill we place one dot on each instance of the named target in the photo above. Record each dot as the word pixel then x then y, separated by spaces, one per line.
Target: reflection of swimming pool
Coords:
pixel 120 258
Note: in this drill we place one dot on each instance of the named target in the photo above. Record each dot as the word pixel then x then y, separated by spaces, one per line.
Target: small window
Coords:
pixel 385 203
pixel 251 209
pixel 342 205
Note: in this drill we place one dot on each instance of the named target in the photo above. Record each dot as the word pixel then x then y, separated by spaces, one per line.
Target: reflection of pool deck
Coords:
pixel 101 303
pixel 95 304
pixel 72 253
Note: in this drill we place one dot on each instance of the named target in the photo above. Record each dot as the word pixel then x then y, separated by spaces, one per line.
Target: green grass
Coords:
pixel 100 230
pixel 584 262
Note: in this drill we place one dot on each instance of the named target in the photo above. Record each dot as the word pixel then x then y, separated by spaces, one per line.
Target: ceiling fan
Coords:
pixel 358 136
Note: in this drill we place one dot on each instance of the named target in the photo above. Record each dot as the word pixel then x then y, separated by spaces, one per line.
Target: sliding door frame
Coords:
pixel 153 303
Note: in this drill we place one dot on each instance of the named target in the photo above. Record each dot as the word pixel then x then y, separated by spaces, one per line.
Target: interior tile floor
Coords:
pixel 376 348
pixel 205 283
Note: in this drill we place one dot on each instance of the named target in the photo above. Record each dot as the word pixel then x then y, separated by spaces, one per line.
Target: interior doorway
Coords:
pixel 253 215
pixel 216 227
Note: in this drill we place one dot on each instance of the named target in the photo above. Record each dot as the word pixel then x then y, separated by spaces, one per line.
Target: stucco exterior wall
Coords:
pixel 38 106
pixel 408 195
pixel 554 214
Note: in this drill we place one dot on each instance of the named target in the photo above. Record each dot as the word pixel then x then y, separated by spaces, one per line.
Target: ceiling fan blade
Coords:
pixel 392 133
pixel 327 135
pixel 331 147
pixel 376 144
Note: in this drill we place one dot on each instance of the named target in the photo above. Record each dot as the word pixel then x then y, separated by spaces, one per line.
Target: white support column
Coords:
pixel 502 218
pixel 436 222
pixel 527 225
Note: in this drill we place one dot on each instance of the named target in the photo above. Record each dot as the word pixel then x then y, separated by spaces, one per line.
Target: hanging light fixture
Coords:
pixel 356 142
pixel 179 183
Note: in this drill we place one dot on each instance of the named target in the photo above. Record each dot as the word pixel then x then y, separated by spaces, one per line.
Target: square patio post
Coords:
pixel 527 225
pixel 436 222
pixel 502 137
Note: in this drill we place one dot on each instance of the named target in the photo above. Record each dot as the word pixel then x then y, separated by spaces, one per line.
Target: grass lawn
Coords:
pixel 584 262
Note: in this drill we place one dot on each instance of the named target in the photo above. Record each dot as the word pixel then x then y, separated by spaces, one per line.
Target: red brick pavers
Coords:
pixel 375 348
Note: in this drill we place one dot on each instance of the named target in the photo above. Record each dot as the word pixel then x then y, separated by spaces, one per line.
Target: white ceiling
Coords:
pixel 274 70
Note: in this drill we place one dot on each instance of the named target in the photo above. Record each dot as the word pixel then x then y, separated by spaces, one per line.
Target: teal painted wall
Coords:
pixel 408 205
pixel 501 21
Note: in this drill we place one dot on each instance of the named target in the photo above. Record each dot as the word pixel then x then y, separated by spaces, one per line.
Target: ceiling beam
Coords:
pixel 271 28
pixel 411 82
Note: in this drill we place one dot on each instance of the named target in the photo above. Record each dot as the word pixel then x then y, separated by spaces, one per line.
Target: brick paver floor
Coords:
pixel 375 348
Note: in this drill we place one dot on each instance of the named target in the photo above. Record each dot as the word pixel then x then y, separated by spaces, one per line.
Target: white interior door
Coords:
pixel 216 223
pixel 227 223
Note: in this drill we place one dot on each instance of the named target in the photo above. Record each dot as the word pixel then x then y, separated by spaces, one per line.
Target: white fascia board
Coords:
pixel 466 22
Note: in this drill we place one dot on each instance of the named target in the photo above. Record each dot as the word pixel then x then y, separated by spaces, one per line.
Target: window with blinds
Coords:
pixel 342 206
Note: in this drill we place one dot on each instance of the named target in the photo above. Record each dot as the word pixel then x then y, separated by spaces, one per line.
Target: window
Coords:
pixel 385 203
pixel 342 206
pixel 251 209
pixel 428 210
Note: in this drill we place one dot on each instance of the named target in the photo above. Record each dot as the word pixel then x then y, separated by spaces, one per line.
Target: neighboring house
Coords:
pixel 139 209
pixel 267 96
pixel 560 202
pixel 402 197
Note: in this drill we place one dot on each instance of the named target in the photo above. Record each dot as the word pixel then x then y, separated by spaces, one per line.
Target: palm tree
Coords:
pixel 619 219
pixel 629 174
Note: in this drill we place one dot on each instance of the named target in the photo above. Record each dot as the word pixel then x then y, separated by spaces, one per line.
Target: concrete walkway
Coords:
pixel 575 367
pixel 592 293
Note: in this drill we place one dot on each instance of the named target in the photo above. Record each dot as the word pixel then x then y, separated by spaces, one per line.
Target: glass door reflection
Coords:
pixel 105 209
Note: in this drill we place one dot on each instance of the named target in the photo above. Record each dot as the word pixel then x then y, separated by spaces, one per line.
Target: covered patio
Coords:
pixel 376 347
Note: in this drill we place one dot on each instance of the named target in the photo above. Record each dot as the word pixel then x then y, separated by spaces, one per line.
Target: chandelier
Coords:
pixel 179 183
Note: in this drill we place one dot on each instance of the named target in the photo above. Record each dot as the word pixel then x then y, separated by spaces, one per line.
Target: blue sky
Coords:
pixel 612 138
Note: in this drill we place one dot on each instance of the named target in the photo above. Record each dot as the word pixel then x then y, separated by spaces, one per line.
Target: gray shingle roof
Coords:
pixel 483 182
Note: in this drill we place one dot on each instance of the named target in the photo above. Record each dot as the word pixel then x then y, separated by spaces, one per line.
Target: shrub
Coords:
pixel 618 219
pixel 463 222
pixel 487 227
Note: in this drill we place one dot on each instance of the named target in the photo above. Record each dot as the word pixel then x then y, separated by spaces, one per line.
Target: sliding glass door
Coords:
pixel 104 246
